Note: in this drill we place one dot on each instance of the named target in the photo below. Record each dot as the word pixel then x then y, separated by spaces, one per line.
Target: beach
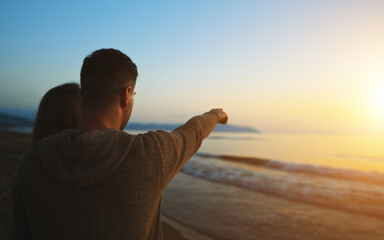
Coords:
pixel 216 197
pixel 228 212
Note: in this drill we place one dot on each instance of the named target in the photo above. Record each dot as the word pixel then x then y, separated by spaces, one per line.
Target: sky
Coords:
pixel 277 66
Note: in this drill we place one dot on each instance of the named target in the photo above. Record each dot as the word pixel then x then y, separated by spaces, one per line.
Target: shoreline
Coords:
pixel 228 212
pixel 196 208
pixel 183 232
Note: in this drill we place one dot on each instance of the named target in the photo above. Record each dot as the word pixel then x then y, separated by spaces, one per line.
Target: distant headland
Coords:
pixel 169 127
pixel 10 118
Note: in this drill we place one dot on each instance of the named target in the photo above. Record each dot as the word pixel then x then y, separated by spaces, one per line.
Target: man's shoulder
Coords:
pixel 155 136
pixel 95 132
pixel 93 136
pixel 74 139
pixel 80 158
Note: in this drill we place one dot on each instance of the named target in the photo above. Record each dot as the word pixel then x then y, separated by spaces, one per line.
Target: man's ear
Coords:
pixel 124 96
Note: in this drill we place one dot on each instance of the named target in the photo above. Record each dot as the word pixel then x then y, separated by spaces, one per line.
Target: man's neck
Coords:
pixel 94 120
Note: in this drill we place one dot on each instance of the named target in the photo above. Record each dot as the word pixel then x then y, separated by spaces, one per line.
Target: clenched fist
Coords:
pixel 223 118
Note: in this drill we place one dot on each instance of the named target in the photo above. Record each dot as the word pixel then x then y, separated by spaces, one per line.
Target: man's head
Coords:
pixel 108 79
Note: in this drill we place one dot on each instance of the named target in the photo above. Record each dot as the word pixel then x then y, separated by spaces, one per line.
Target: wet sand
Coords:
pixel 229 212
pixel 12 147
pixel 195 208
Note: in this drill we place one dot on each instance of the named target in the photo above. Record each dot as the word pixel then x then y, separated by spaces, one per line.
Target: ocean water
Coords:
pixel 306 186
pixel 274 186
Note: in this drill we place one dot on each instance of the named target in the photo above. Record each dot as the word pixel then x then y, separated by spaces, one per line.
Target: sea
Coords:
pixel 282 186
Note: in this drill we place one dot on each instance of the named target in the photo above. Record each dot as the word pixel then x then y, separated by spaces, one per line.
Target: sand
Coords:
pixel 195 208
pixel 229 212
pixel 12 147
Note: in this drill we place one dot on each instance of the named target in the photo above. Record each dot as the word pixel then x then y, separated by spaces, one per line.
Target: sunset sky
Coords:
pixel 278 66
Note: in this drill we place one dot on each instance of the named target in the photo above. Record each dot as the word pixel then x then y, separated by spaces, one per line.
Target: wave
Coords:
pixel 338 173
pixel 356 198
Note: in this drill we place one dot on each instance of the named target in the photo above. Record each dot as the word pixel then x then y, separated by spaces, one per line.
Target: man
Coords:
pixel 98 182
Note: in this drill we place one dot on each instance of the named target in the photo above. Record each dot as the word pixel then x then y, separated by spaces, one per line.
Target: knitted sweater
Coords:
pixel 101 184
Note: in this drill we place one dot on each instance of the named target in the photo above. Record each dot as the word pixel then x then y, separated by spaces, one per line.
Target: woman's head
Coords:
pixel 60 108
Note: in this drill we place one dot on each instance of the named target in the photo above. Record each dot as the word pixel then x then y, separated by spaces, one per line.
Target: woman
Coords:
pixel 60 108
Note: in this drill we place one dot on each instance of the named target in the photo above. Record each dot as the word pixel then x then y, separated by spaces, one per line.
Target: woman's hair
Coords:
pixel 60 108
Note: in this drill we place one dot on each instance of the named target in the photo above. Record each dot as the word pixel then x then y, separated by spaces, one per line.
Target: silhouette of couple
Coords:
pixel 85 178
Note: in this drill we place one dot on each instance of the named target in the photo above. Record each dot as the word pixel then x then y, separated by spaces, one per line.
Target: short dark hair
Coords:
pixel 104 74
pixel 60 108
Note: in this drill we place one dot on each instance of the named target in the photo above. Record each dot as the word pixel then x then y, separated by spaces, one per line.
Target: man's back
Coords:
pixel 102 184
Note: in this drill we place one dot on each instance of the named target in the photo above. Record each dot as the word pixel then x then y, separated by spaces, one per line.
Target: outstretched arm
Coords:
pixel 178 146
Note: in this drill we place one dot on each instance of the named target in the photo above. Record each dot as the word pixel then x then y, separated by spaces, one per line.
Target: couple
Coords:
pixel 97 181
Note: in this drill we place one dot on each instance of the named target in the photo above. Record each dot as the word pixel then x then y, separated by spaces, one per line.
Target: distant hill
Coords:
pixel 25 119
pixel 28 114
pixel 8 121
pixel 169 127
pixel 234 128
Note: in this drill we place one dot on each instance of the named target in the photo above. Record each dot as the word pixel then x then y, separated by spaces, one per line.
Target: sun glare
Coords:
pixel 378 99
pixel 380 103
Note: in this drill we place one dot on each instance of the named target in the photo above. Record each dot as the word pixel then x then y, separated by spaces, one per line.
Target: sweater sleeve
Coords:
pixel 178 146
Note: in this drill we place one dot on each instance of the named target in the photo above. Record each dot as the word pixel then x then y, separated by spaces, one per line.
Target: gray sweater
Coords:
pixel 101 184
